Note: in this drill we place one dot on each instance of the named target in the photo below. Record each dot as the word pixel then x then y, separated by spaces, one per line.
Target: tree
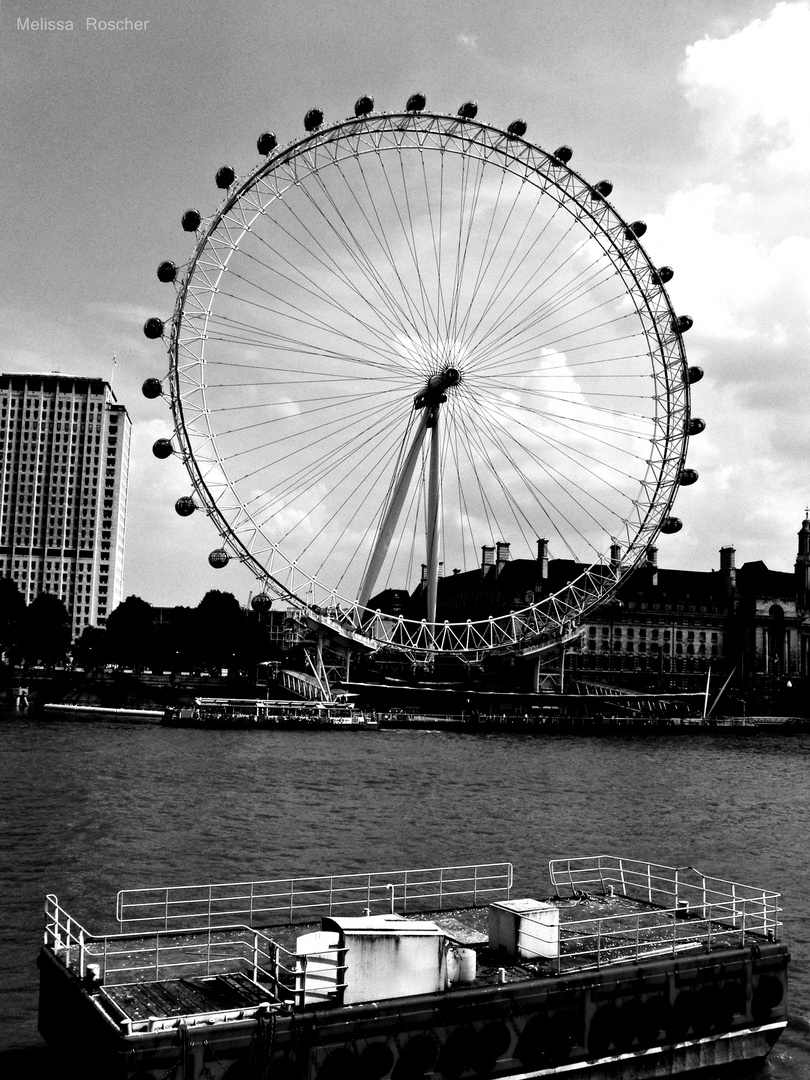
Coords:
pixel 91 650
pixel 131 634
pixel 47 630
pixel 221 628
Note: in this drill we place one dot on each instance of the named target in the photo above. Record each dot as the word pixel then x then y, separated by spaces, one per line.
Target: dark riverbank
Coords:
pixel 121 689
pixel 395 708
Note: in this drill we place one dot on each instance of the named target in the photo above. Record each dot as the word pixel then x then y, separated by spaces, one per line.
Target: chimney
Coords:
pixel 803 563
pixel 502 556
pixel 542 558
pixel 652 564
pixel 615 554
pixel 728 568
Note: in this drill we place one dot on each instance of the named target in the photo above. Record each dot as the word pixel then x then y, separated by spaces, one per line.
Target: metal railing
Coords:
pixel 683 890
pixel 633 937
pixel 116 959
pixel 293 900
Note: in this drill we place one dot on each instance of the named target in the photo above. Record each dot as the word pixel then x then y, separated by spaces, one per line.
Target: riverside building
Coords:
pixel 662 631
pixel 64 465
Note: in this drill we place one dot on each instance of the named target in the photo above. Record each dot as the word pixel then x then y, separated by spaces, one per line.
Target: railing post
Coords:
pixel 81 954
pixel 56 931
pixel 166 911
pixel 405 894
pixel 368 894
pixel 68 933
pixel 157 956
pixel 649 883
pixel 255 957
pixel 598 943
pixel 675 932
pixel 441 887
pixel 252 887
pixel 331 893
pixel 292 897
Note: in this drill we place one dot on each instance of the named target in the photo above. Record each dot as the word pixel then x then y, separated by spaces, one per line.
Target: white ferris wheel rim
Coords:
pixel 200 432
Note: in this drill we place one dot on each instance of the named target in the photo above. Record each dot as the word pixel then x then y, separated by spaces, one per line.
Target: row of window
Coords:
pixel 654 632
pixel 700 649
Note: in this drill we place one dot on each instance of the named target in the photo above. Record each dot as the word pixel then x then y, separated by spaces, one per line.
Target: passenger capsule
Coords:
pixel 416 102
pixel 694 374
pixel 662 275
pixel 563 154
pixel 517 129
pixel 364 105
pixel 687 477
pixel 225 177
pixel 671 525
pixel 266 143
pixel 681 323
pixel 468 111
pixel 162 448
pixel 219 558
pixel 601 190
pixel 261 602
pixel 313 120
pixel 634 230
pixel 167 272
pixel 153 328
pixel 191 220
pixel 152 388
pixel 185 506
pixel 696 425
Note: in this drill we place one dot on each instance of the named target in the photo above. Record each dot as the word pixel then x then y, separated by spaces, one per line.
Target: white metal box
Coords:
pixel 388 956
pixel 524 929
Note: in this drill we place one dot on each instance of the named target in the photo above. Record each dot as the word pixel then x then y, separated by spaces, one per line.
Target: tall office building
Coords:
pixel 64 464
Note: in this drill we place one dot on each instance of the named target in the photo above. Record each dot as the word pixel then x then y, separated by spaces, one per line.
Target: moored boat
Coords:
pixel 259 712
pixel 629 969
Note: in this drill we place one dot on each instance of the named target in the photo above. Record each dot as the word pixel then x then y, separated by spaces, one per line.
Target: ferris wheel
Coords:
pixel 404 339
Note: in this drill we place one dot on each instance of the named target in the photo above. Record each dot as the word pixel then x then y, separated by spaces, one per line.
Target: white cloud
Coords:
pixel 469 41
pixel 739 241
pixel 752 91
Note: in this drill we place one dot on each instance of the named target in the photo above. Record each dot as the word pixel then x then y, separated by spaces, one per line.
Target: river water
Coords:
pixel 91 806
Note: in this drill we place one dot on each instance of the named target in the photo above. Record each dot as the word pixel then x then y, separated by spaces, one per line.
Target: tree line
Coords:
pixel 217 633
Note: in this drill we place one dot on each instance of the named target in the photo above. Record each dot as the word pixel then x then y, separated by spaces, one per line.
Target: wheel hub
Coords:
pixel 434 390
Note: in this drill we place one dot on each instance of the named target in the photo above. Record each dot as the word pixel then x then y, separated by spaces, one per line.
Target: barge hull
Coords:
pixel 638 1022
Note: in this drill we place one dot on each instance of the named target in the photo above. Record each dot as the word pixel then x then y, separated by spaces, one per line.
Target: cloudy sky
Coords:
pixel 698 111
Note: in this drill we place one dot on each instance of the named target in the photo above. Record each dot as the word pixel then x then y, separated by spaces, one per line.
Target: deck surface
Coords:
pixel 185 996
pixel 590 936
